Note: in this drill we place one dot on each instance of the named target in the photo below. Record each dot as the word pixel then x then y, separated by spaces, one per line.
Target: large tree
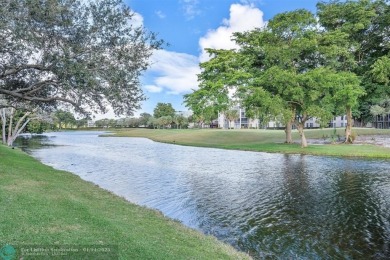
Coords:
pixel 163 109
pixel 89 54
pixel 287 69
pixel 284 61
pixel 65 119
pixel 218 83
pixel 144 118
pixel 297 67
pixel 365 26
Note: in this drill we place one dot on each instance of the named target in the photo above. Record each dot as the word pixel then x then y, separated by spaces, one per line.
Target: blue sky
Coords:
pixel 189 26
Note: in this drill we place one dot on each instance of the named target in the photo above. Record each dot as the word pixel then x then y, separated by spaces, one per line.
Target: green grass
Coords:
pixel 263 140
pixel 43 206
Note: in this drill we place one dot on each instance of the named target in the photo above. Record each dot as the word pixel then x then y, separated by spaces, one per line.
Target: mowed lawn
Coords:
pixel 45 207
pixel 263 140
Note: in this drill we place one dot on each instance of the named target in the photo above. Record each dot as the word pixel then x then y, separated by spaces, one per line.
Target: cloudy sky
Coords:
pixel 189 26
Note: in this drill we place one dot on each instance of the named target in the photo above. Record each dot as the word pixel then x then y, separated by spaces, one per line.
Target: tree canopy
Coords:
pixel 89 54
pixel 163 109
pixel 64 119
pixel 302 65
pixel 365 26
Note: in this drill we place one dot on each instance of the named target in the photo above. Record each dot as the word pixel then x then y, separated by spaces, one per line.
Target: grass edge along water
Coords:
pixel 46 207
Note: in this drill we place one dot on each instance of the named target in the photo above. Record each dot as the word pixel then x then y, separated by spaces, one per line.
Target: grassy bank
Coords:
pixel 263 140
pixel 43 206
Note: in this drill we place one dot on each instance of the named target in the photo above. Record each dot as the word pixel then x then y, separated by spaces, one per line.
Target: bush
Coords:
pixel 353 136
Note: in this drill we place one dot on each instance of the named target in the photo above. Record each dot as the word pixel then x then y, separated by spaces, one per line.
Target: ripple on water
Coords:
pixel 270 205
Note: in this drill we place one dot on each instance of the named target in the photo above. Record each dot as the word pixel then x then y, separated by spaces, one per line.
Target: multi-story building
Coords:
pixel 339 121
pixel 243 121
pixel 382 121
pixel 91 123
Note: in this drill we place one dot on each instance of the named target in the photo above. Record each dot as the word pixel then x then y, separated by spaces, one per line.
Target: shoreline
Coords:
pixel 57 208
pixel 270 141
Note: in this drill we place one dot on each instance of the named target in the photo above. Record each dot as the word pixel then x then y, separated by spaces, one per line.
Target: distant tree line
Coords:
pixel 164 116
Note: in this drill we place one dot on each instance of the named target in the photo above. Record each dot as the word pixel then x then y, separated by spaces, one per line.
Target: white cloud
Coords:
pixel 137 20
pixel 176 72
pixel 160 14
pixel 242 18
pixel 190 8
pixel 153 88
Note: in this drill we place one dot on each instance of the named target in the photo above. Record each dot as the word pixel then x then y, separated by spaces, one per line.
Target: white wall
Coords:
pixel 339 121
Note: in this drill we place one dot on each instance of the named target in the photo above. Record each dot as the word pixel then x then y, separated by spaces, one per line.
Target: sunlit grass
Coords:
pixel 264 140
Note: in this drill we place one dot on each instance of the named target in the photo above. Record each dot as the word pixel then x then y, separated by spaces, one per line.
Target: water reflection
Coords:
pixel 270 205
pixel 358 213
pixel 29 142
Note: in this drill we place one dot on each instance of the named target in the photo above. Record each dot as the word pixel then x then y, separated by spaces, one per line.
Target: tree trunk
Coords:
pixel 3 124
pixel 348 128
pixel 13 132
pixel 288 131
pixel 18 129
pixel 17 133
pixel 301 126
pixel 11 117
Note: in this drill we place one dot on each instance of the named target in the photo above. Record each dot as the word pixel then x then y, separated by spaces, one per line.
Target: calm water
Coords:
pixel 281 206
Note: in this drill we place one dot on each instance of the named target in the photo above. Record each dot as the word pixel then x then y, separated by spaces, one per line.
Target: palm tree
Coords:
pixel 231 115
